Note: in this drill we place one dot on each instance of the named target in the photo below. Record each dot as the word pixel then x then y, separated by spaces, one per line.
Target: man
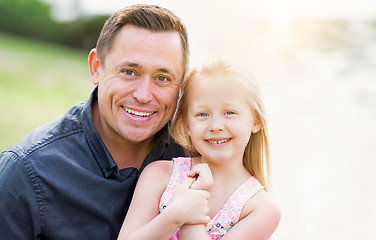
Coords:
pixel 74 178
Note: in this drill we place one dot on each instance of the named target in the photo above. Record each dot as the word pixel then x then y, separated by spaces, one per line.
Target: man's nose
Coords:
pixel 143 92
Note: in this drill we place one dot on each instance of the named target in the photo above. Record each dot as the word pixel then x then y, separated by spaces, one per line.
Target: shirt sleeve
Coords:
pixel 19 211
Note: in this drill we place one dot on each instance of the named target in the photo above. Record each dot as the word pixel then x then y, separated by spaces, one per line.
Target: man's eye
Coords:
pixel 163 78
pixel 130 72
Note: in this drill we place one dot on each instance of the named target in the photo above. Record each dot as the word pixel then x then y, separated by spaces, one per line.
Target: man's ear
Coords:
pixel 181 84
pixel 94 66
pixel 180 91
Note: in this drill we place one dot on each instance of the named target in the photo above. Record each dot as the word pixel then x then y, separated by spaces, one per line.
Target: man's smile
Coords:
pixel 137 113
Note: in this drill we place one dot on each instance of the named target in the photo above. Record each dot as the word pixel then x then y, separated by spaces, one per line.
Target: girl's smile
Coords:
pixel 218 141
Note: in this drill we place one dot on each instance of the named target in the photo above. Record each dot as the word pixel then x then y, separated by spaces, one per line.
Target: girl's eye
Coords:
pixel 202 114
pixel 163 78
pixel 230 113
pixel 129 72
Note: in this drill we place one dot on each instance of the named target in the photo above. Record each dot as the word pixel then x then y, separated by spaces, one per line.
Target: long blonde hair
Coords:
pixel 256 153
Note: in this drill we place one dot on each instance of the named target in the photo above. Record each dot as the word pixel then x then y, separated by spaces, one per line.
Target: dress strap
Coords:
pixel 179 173
pixel 229 215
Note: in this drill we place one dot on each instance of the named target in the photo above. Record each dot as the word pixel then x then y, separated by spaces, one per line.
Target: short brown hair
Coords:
pixel 150 17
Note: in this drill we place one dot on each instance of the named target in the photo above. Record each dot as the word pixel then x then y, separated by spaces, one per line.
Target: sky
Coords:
pixel 349 9
pixel 215 25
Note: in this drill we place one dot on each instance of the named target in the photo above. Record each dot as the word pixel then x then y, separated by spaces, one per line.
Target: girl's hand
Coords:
pixel 192 205
pixel 204 179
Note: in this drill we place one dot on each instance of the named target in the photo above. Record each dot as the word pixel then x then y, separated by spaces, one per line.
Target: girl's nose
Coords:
pixel 216 125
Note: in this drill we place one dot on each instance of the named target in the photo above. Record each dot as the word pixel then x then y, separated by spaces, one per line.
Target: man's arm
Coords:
pixel 18 202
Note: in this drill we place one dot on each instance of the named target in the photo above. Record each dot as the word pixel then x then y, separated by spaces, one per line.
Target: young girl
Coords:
pixel 220 191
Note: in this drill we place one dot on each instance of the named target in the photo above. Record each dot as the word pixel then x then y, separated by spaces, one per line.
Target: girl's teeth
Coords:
pixel 218 142
pixel 136 113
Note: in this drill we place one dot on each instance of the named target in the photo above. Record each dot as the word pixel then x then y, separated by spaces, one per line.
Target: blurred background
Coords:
pixel 315 62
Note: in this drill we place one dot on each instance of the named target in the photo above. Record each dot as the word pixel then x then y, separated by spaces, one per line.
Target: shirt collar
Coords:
pixel 97 147
pixel 163 140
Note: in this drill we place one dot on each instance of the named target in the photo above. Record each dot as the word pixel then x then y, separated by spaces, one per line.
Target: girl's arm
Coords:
pixel 261 219
pixel 197 231
pixel 143 220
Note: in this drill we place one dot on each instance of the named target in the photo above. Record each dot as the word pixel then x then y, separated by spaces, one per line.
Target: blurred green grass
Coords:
pixel 38 83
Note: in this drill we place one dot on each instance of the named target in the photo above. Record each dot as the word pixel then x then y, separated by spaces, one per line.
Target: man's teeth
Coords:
pixel 137 113
pixel 218 142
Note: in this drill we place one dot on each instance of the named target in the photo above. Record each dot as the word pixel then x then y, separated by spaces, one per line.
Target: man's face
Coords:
pixel 139 83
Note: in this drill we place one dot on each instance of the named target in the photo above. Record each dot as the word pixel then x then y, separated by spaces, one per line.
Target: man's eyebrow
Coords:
pixel 166 70
pixel 129 64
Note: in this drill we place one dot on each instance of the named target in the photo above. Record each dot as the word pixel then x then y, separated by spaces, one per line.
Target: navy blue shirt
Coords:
pixel 60 181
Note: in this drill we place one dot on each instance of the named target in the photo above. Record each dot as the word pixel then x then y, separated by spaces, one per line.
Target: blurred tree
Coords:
pixel 32 18
pixel 26 17
pixel 82 32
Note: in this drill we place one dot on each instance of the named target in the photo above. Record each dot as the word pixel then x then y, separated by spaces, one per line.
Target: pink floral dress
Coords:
pixel 228 216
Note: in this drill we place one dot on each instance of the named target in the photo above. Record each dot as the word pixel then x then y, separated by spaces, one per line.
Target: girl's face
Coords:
pixel 219 119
